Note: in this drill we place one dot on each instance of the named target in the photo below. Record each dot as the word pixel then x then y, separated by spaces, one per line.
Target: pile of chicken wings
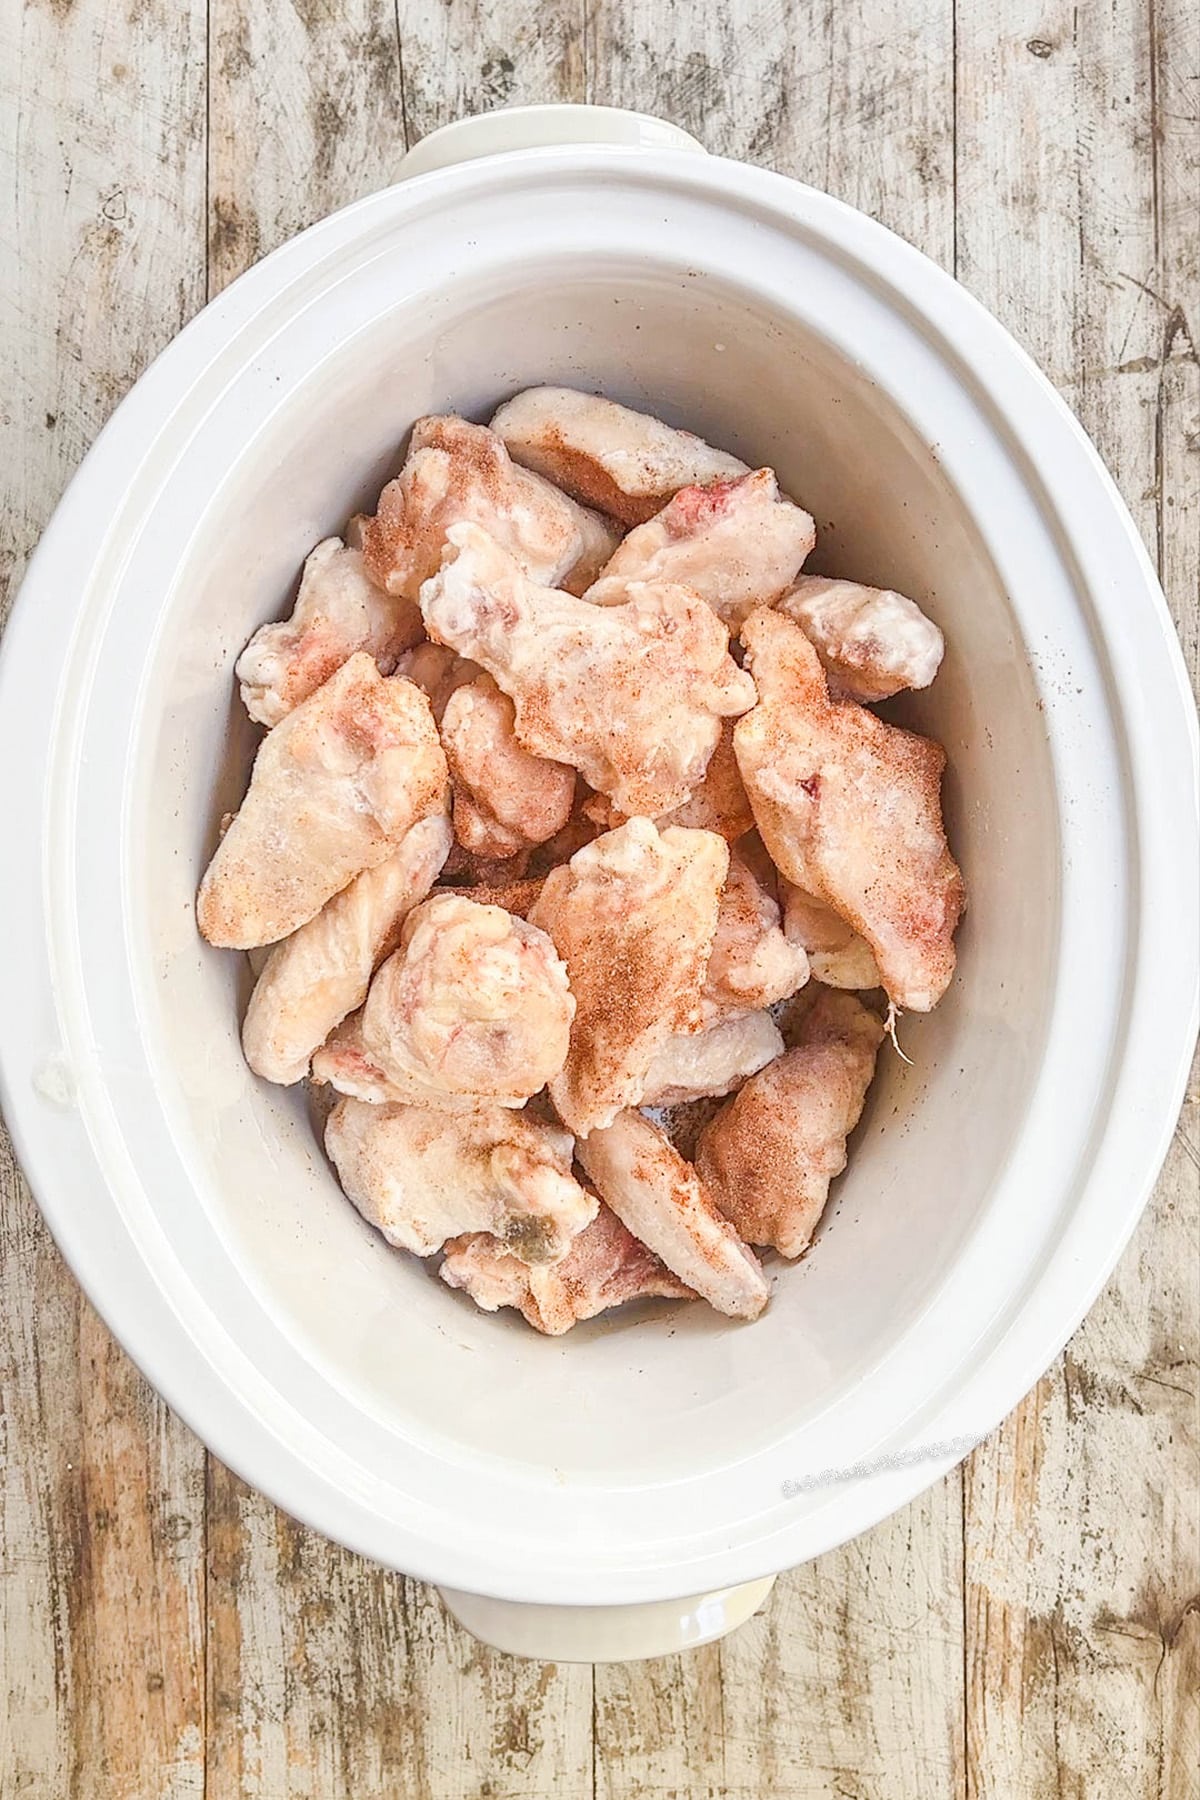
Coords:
pixel 571 804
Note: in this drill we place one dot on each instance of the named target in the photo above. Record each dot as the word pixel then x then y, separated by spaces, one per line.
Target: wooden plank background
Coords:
pixel 1031 1627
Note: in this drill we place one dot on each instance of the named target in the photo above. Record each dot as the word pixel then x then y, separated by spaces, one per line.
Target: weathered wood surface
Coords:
pixel 1031 1626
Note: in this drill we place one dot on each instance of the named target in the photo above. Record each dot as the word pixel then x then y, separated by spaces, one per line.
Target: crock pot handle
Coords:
pixel 585 1634
pixel 531 127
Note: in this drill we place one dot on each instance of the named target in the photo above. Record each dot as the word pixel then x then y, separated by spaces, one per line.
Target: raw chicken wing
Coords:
pixel 604 1267
pixel 850 810
pixel 872 641
pixel 421 1177
pixel 719 802
pixel 627 463
pixel 661 1199
pixel 438 672
pixel 313 979
pixel 459 472
pixel 338 611
pixel 769 1156
pixel 737 544
pixel 473 1006
pixel 752 963
pixel 693 1065
pixel 505 800
pixel 632 696
pixel 837 955
pixel 633 915
pixel 334 789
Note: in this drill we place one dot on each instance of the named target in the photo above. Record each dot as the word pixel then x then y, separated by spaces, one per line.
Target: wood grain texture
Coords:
pixel 101 1489
pixel 1082 1546
pixel 1031 1626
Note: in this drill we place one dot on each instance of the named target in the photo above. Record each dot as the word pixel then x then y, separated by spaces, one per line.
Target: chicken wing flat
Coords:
pixel 474 1006
pixel 421 1177
pixel 604 1267
pixel 312 980
pixel 753 964
pixel 696 1065
pixel 338 610
pixel 661 1199
pixel 837 956
pixel 768 1157
pixel 872 642
pixel 459 472
pixel 850 811
pixel 627 463
pixel 633 915
pixel 505 799
pixel 736 543
pixel 334 789
pixel 632 696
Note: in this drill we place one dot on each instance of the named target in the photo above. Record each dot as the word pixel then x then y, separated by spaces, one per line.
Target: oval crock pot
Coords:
pixel 663 1452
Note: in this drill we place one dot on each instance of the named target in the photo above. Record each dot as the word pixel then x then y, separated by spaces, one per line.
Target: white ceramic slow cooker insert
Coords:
pixel 993 1182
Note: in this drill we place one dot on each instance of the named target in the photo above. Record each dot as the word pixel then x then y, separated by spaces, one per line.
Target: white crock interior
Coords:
pixel 652 1391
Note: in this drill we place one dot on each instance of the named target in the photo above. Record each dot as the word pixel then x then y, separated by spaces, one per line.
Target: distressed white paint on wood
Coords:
pixel 322 1676
pixel 1082 1537
pixel 101 1490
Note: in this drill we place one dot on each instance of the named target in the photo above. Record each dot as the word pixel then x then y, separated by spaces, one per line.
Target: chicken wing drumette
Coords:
pixel 505 799
pixel 627 463
pixel 423 1176
pixel 334 789
pixel 632 696
pixel 850 810
pixel 768 1157
pixel 872 641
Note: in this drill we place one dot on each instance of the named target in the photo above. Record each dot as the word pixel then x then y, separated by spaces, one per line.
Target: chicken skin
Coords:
pixel 697 1065
pixel 736 543
pixel 837 956
pixel 474 1006
pixel 632 696
pixel 633 915
pixel 768 1157
pixel 850 811
pixel 457 472
pixel 661 1199
pixel 312 980
pixel 627 463
pixel 421 1177
pixel 505 800
pixel 604 1267
pixel 334 789
pixel 752 964
pixel 718 802
pixel 438 672
pixel 872 642
pixel 338 610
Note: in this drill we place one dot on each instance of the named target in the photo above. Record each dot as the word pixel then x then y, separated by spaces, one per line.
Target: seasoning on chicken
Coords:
pixel 633 915
pixel 334 789
pixel 474 1006
pixel 872 642
pixel 718 802
pixel 312 980
pixel 632 696
pixel 768 1157
pixel 338 610
pixel 421 1177
pixel 696 1065
pixel 605 1266
pixel 661 1199
pixel 438 672
pixel 753 964
pixel 505 799
pixel 837 956
pixel 737 543
pixel 459 473
pixel 850 811
pixel 627 463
